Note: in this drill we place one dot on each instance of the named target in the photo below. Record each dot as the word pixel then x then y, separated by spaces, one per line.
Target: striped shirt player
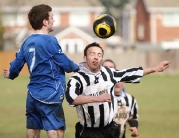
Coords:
pixel 91 90
pixel 129 101
pixel 85 82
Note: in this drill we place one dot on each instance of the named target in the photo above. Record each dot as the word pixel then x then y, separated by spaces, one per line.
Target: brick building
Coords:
pixel 73 26
pixel 153 22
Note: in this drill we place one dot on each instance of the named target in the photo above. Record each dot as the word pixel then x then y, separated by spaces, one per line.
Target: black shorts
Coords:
pixel 110 131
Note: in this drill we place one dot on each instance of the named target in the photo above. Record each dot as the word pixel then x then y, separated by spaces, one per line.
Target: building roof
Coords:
pixel 157 5
pixel 162 3
pixel 59 3
pixel 87 30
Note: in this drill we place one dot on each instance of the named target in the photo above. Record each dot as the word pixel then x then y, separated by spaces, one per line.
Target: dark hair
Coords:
pixel 94 44
pixel 109 60
pixel 37 14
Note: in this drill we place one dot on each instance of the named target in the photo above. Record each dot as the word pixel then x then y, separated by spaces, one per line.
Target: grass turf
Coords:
pixel 157 97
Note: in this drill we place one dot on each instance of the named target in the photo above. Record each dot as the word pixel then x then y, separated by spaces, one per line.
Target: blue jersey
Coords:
pixel 47 66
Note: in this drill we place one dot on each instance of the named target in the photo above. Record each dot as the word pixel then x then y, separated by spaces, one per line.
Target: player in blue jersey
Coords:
pixel 47 65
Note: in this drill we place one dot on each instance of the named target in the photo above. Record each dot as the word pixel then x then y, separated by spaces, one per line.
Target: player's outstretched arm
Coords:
pixel 159 68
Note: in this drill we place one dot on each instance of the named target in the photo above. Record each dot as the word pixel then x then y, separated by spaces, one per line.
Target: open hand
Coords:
pixel 162 66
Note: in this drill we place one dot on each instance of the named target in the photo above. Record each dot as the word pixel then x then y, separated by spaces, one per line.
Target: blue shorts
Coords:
pixel 44 116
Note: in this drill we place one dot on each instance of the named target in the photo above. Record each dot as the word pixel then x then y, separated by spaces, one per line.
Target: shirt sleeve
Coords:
pixel 131 75
pixel 134 110
pixel 61 59
pixel 16 65
pixel 73 90
pixel 133 121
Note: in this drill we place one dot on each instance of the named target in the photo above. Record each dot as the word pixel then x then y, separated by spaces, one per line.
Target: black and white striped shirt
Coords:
pixel 129 101
pixel 94 84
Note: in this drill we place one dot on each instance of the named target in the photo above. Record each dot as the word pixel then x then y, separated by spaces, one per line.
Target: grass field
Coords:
pixel 157 97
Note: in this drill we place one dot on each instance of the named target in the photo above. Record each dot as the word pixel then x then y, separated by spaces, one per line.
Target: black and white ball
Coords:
pixel 104 26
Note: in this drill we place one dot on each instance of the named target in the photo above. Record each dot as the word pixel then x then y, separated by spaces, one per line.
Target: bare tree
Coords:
pixel 114 8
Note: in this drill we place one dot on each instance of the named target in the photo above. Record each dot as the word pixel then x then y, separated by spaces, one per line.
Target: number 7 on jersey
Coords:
pixel 32 50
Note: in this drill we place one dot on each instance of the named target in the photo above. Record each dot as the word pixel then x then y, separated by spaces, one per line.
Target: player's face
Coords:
pixel 50 22
pixel 118 88
pixel 94 59
pixel 108 64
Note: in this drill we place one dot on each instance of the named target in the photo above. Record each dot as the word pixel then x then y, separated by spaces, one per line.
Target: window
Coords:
pixel 21 20
pixel 79 19
pixel 140 32
pixel 173 44
pixel 72 45
pixel 56 17
pixel 171 19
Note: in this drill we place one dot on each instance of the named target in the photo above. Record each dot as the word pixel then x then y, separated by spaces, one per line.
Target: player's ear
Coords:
pixel 45 22
pixel 84 58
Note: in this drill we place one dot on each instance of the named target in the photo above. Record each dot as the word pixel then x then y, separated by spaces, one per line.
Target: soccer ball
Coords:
pixel 104 26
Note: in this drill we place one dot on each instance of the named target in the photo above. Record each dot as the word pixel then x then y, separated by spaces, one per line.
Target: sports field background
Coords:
pixel 157 97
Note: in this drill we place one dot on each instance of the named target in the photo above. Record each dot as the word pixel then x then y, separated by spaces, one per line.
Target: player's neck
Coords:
pixel 118 93
pixel 97 70
pixel 41 31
